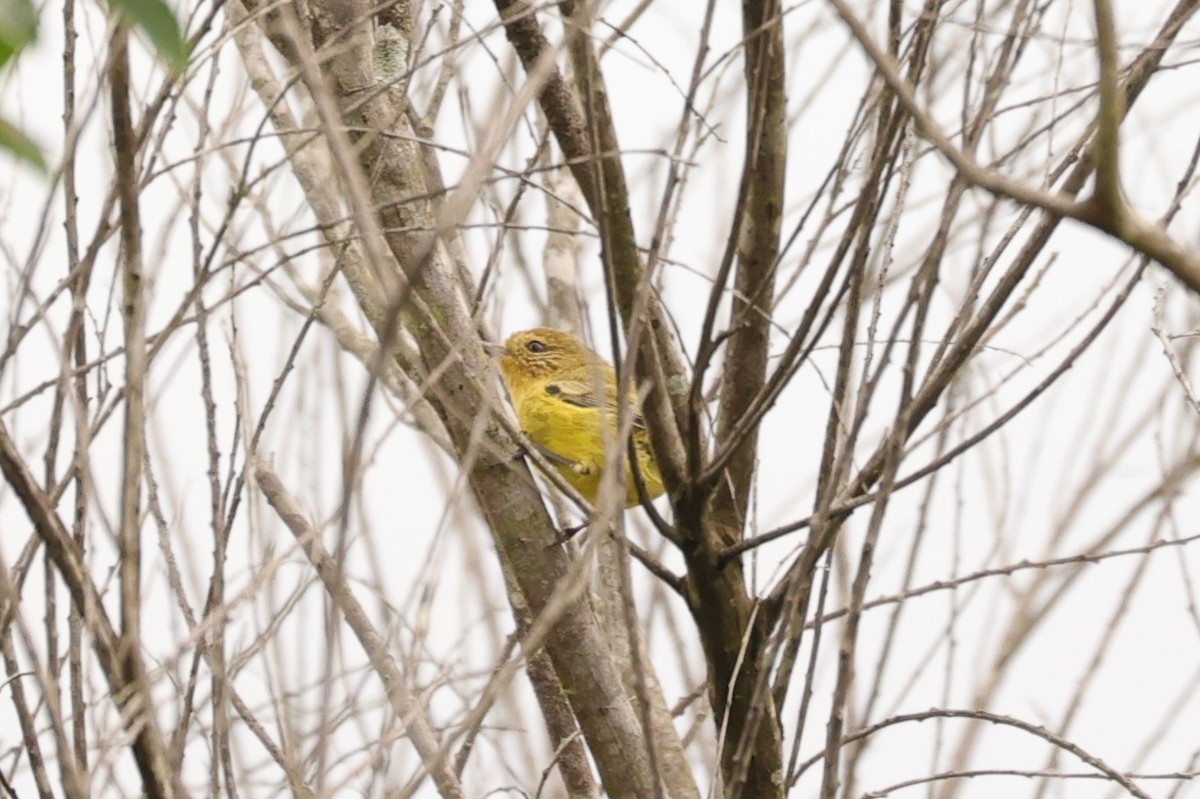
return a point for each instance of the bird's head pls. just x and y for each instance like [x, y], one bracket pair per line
[540, 352]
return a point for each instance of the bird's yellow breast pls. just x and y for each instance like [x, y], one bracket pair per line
[579, 435]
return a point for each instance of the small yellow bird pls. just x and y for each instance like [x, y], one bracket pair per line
[565, 396]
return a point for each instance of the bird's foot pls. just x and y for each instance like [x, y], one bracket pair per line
[564, 535]
[582, 469]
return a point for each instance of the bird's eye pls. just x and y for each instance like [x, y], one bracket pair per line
[536, 346]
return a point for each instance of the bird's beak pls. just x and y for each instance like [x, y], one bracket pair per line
[493, 349]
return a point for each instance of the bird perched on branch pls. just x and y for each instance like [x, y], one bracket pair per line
[565, 396]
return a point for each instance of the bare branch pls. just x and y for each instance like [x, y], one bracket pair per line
[1130, 227]
[404, 703]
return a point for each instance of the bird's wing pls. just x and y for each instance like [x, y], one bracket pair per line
[583, 395]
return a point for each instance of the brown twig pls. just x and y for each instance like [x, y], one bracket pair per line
[1126, 225]
[1105, 770]
[404, 703]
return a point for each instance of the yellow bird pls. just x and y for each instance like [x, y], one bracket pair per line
[565, 396]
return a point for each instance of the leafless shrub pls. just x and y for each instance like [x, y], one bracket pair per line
[911, 294]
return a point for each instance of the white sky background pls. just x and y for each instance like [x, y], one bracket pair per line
[424, 563]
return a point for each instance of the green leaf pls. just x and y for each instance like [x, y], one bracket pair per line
[18, 27]
[158, 21]
[21, 146]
